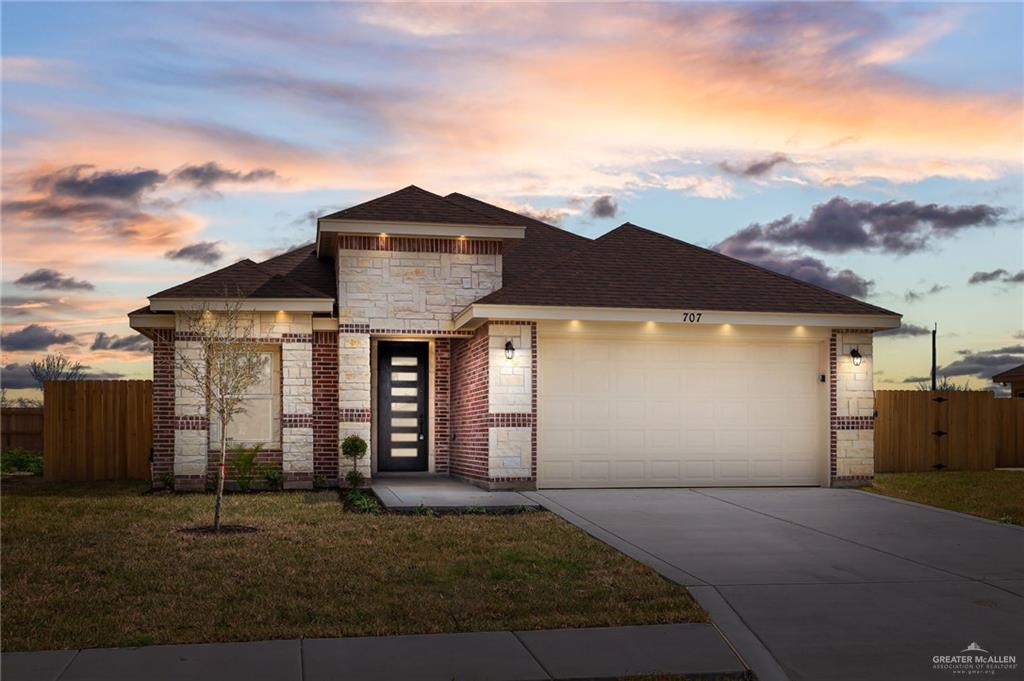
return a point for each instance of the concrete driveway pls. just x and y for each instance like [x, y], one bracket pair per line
[835, 584]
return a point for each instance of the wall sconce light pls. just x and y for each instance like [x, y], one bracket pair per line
[510, 350]
[855, 356]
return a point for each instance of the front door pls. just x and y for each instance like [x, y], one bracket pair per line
[402, 406]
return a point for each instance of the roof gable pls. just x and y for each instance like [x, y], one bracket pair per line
[413, 204]
[243, 279]
[635, 267]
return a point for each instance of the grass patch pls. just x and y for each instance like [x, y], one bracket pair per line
[996, 495]
[102, 564]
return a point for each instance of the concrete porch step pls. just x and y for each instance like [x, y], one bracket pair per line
[445, 495]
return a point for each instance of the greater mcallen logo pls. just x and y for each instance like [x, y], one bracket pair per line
[974, 661]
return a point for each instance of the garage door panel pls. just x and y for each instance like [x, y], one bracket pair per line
[591, 377]
[696, 413]
[594, 471]
[732, 470]
[731, 442]
[767, 440]
[699, 471]
[634, 441]
[731, 414]
[699, 440]
[661, 412]
[766, 470]
[560, 410]
[629, 379]
[666, 470]
[628, 412]
[592, 439]
[592, 411]
[663, 439]
[560, 439]
[628, 471]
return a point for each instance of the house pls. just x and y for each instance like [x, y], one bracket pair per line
[460, 338]
[1014, 378]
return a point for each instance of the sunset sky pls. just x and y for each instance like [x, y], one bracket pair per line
[875, 149]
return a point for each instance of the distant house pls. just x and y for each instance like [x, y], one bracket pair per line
[462, 339]
[1014, 378]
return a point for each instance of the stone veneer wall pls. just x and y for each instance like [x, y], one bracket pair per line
[192, 462]
[325, 405]
[386, 284]
[851, 409]
[354, 409]
[512, 404]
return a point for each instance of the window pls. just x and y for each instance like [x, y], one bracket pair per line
[261, 422]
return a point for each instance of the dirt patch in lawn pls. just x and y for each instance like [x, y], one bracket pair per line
[996, 495]
[104, 565]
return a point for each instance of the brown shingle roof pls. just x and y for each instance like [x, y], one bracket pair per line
[1014, 374]
[542, 246]
[413, 204]
[247, 279]
[301, 265]
[635, 267]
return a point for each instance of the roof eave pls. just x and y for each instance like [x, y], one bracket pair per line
[247, 304]
[477, 313]
[419, 229]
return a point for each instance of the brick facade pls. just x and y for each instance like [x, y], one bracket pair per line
[325, 405]
[470, 444]
[442, 403]
[419, 244]
[162, 459]
[494, 407]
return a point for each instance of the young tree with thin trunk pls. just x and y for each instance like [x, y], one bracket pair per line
[218, 363]
[55, 367]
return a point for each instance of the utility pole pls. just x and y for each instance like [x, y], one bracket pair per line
[935, 330]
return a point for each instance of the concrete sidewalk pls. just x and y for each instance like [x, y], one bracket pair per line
[599, 653]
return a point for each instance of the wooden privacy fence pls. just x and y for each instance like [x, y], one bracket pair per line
[915, 430]
[97, 430]
[21, 428]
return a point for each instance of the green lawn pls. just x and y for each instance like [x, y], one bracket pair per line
[103, 565]
[997, 495]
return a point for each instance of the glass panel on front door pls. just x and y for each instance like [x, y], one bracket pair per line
[402, 408]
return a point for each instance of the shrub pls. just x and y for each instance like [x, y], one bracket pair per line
[273, 477]
[359, 501]
[355, 478]
[244, 465]
[354, 448]
[21, 461]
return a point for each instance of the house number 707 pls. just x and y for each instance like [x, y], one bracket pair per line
[692, 316]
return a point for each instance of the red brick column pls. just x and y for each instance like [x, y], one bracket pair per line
[162, 458]
[325, 405]
[468, 456]
[442, 404]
